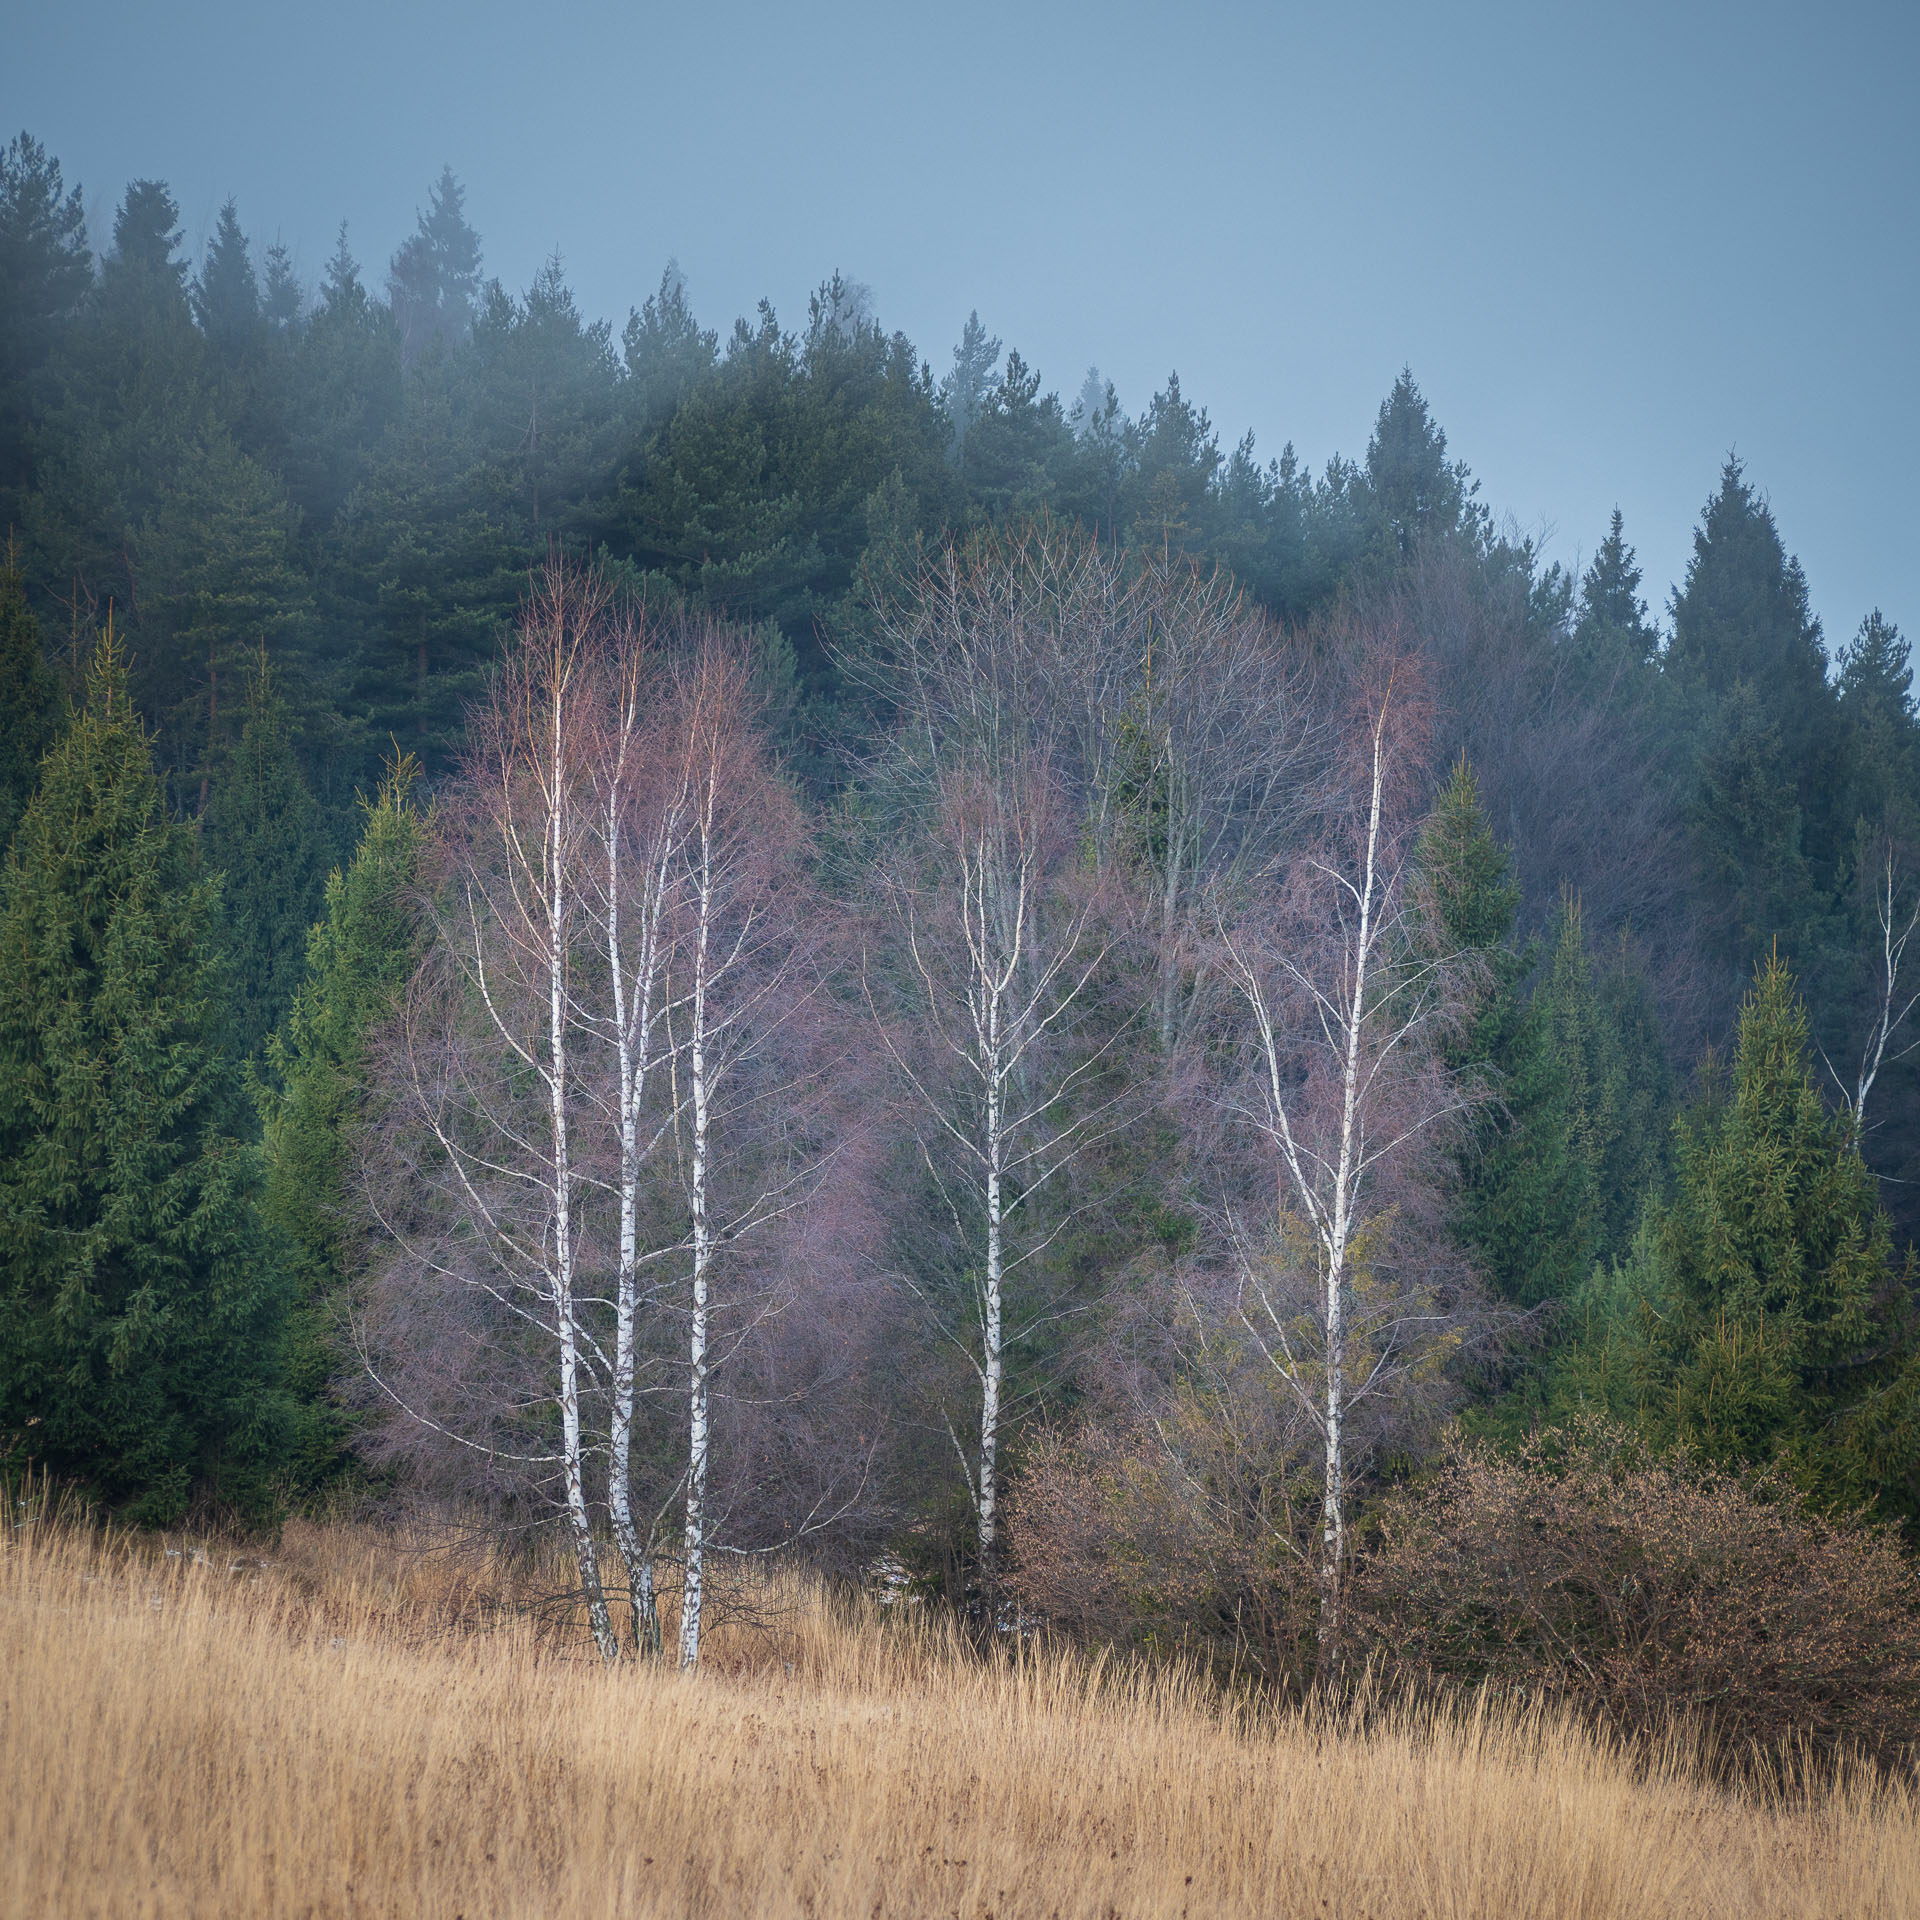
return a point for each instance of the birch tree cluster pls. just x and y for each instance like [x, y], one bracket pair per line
[709, 1131]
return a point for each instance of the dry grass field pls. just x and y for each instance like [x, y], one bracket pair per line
[352, 1729]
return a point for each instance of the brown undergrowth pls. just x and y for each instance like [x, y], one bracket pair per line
[354, 1725]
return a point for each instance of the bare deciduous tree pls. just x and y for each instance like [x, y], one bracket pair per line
[488, 1046]
[1340, 1089]
[991, 995]
[1896, 915]
[750, 927]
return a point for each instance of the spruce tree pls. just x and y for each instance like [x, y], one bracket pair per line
[1613, 620]
[435, 275]
[263, 834]
[138, 1317]
[1743, 620]
[1414, 493]
[1883, 739]
[1762, 1316]
[1557, 1162]
[359, 956]
[226, 297]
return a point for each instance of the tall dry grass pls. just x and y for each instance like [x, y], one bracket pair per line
[355, 1730]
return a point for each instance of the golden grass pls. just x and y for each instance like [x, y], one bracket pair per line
[351, 1730]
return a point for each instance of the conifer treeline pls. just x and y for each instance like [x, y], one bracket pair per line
[307, 515]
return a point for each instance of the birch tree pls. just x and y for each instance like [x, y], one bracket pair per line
[742, 990]
[492, 1082]
[991, 992]
[1340, 1088]
[641, 812]
[1892, 996]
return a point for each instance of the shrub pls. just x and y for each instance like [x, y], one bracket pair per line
[1639, 1588]
[1175, 1534]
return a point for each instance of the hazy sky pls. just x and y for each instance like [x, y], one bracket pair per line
[1612, 242]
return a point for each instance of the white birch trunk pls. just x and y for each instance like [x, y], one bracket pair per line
[1333, 1544]
[635, 1011]
[693, 1585]
[557, 913]
[992, 1330]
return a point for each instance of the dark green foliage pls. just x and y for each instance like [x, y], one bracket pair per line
[1749, 829]
[1471, 894]
[262, 833]
[219, 579]
[357, 958]
[282, 298]
[1414, 493]
[1761, 1316]
[1613, 627]
[964, 391]
[27, 697]
[1742, 621]
[1559, 1186]
[360, 485]
[1876, 705]
[45, 272]
[435, 275]
[1566, 1144]
[226, 297]
[343, 392]
[138, 1317]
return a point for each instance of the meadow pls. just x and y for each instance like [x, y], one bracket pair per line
[353, 1725]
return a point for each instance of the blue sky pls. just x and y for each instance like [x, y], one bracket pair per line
[1612, 242]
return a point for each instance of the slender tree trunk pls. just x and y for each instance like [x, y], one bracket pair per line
[563, 1252]
[992, 1360]
[645, 1625]
[1333, 1545]
[1169, 945]
[693, 1591]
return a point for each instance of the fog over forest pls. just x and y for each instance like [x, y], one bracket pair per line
[743, 933]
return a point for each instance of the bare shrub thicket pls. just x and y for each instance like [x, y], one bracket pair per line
[1593, 1574]
[1186, 1529]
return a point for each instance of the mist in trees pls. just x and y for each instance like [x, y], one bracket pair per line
[744, 939]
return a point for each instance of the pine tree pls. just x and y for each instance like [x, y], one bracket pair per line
[964, 391]
[435, 275]
[137, 1314]
[345, 390]
[1613, 618]
[146, 230]
[1876, 705]
[667, 353]
[1748, 827]
[1743, 619]
[1556, 1161]
[359, 956]
[226, 297]
[263, 834]
[45, 272]
[283, 301]
[27, 696]
[1414, 494]
[219, 578]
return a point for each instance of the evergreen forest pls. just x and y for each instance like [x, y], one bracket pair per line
[716, 937]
